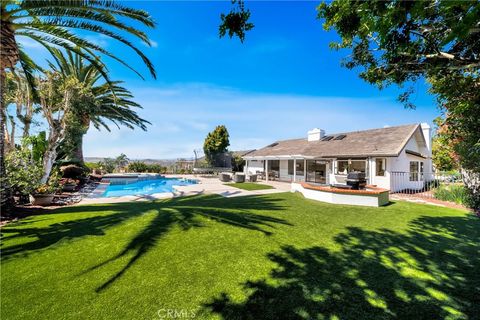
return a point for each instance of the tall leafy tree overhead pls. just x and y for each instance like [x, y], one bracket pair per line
[54, 23]
[401, 42]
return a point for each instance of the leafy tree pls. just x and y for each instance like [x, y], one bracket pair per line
[49, 23]
[121, 161]
[443, 155]
[108, 165]
[39, 145]
[137, 166]
[401, 42]
[215, 144]
[17, 92]
[236, 21]
[237, 163]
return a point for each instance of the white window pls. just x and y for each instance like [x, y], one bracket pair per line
[343, 167]
[416, 170]
[380, 167]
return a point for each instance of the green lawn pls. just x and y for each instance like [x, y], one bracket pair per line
[250, 186]
[276, 256]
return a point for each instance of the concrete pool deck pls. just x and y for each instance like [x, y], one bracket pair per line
[210, 185]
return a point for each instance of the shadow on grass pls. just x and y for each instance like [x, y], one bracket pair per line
[430, 272]
[185, 212]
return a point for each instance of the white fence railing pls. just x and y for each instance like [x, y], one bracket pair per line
[421, 184]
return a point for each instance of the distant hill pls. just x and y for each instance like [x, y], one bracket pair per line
[162, 162]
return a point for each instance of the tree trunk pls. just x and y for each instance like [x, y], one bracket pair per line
[78, 153]
[6, 198]
[27, 119]
[12, 134]
[48, 161]
[8, 58]
[54, 139]
[471, 179]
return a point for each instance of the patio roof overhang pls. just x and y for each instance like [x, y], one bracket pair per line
[279, 157]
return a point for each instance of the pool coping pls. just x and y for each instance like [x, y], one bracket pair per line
[96, 195]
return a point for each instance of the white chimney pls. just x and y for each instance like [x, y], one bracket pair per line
[427, 134]
[315, 134]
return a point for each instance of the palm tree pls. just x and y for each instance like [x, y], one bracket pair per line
[50, 23]
[110, 102]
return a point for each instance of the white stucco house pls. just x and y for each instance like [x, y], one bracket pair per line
[392, 158]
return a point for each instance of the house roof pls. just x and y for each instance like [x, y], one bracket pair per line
[242, 153]
[374, 142]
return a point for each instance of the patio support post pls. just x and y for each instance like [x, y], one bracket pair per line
[295, 170]
[305, 169]
[266, 170]
[246, 167]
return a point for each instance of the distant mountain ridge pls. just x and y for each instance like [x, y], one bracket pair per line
[163, 162]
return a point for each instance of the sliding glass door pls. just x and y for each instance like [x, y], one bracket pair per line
[317, 171]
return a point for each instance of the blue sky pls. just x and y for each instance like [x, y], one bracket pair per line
[281, 82]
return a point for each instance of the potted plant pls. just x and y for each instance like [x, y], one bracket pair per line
[68, 185]
[44, 193]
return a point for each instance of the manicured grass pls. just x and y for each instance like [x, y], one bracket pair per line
[250, 186]
[276, 256]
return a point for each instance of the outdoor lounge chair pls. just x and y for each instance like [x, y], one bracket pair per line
[252, 178]
[225, 177]
[239, 177]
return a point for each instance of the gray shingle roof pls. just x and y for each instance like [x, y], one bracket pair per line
[374, 142]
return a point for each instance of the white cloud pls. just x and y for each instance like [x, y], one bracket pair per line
[28, 43]
[100, 40]
[153, 44]
[182, 115]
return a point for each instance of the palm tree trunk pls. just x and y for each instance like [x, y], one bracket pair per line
[6, 198]
[78, 153]
[27, 119]
[9, 56]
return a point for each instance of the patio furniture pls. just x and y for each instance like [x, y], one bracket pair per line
[260, 175]
[272, 175]
[252, 178]
[225, 177]
[239, 177]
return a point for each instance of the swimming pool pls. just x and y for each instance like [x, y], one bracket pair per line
[145, 187]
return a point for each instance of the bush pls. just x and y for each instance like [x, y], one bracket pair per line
[452, 192]
[92, 166]
[137, 166]
[23, 173]
[73, 171]
[108, 165]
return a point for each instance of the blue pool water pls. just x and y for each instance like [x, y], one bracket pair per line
[146, 187]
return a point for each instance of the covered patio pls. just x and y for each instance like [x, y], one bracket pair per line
[289, 168]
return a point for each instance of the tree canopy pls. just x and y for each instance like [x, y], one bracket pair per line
[401, 42]
[216, 143]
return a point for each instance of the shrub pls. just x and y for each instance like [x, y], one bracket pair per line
[108, 165]
[137, 166]
[73, 171]
[92, 166]
[22, 172]
[452, 192]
